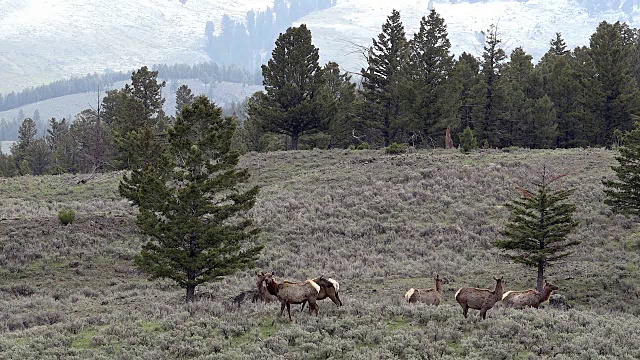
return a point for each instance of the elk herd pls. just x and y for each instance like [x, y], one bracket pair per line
[312, 290]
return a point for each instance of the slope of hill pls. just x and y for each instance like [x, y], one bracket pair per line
[379, 224]
[45, 40]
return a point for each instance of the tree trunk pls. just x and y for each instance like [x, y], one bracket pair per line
[191, 289]
[295, 136]
[540, 276]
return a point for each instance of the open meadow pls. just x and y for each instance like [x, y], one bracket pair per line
[378, 223]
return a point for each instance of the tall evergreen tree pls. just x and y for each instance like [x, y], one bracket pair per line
[292, 79]
[493, 60]
[468, 82]
[540, 221]
[184, 96]
[382, 77]
[560, 83]
[63, 146]
[92, 140]
[135, 119]
[610, 50]
[623, 193]
[340, 97]
[146, 89]
[190, 203]
[517, 81]
[433, 94]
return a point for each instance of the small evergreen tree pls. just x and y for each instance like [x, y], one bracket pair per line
[468, 140]
[191, 201]
[623, 193]
[536, 234]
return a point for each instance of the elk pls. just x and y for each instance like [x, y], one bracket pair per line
[528, 298]
[428, 296]
[328, 289]
[262, 293]
[480, 299]
[293, 293]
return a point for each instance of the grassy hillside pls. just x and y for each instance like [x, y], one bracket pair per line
[380, 224]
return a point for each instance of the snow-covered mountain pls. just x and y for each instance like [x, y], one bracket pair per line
[46, 40]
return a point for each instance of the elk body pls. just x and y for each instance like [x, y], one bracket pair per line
[528, 298]
[293, 293]
[431, 296]
[328, 289]
[480, 299]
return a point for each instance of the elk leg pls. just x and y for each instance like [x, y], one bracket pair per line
[289, 311]
[465, 310]
[281, 308]
[338, 298]
[335, 300]
[302, 308]
[483, 314]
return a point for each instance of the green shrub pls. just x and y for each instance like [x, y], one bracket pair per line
[396, 148]
[468, 140]
[66, 216]
[363, 146]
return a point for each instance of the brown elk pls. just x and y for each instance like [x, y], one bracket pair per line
[293, 293]
[528, 298]
[262, 294]
[480, 299]
[328, 289]
[428, 296]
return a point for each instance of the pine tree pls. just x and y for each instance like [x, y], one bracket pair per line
[610, 52]
[468, 140]
[540, 221]
[558, 46]
[623, 193]
[136, 120]
[21, 150]
[468, 83]
[541, 124]
[292, 79]
[517, 75]
[340, 96]
[382, 78]
[493, 58]
[146, 89]
[433, 96]
[184, 96]
[63, 146]
[561, 85]
[191, 203]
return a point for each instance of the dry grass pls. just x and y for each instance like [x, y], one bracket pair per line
[378, 223]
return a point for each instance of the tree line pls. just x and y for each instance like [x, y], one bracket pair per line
[413, 90]
[243, 42]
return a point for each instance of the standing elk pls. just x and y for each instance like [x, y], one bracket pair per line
[528, 298]
[428, 296]
[480, 299]
[328, 289]
[262, 294]
[293, 293]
